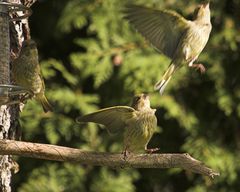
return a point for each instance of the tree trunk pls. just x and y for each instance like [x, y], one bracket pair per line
[10, 39]
[5, 162]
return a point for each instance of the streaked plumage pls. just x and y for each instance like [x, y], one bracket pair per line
[180, 39]
[138, 122]
[26, 73]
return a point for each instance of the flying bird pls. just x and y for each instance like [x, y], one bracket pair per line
[137, 123]
[26, 73]
[179, 39]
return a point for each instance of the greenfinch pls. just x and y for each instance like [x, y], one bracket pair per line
[179, 39]
[137, 123]
[26, 73]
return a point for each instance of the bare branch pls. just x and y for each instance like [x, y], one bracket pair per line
[58, 153]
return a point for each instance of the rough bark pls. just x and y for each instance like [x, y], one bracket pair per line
[58, 153]
[5, 163]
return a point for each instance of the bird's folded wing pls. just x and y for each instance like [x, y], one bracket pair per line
[42, 81]
[162, 28]
[114, 118]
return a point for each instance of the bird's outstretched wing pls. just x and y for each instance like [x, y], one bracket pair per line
[114, 118]
[162, 28]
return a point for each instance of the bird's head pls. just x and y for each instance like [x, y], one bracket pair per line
[29, 43]
[29, 47]
[141, 102]
[202, 12]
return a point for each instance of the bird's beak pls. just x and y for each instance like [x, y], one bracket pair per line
[206, 4]
[145, 96]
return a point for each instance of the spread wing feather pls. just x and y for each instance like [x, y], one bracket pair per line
[163, 29]
[114, 118]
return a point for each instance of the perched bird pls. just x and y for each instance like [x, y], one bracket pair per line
[26, 73]
[179, 39]
[137, 123]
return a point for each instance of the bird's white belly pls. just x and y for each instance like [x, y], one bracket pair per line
[194, 45]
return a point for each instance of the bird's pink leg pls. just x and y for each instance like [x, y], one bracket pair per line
[199, 67]
[25, 97]
[125, 153]
[150, 151]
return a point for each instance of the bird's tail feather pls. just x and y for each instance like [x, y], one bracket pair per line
[45, 104]
[160, 85]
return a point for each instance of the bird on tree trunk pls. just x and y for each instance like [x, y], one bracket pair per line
[26, 72]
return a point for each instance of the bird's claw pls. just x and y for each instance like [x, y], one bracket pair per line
[24, 98]
[125, 154]
[150, 151]
[199, 67]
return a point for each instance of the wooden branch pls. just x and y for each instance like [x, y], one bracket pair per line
[116, 160]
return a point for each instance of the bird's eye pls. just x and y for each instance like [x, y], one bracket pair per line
[137, 99]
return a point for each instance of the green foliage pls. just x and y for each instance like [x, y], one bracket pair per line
[122, 181]
[68, 177]
[55, 178]
[92, 58]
